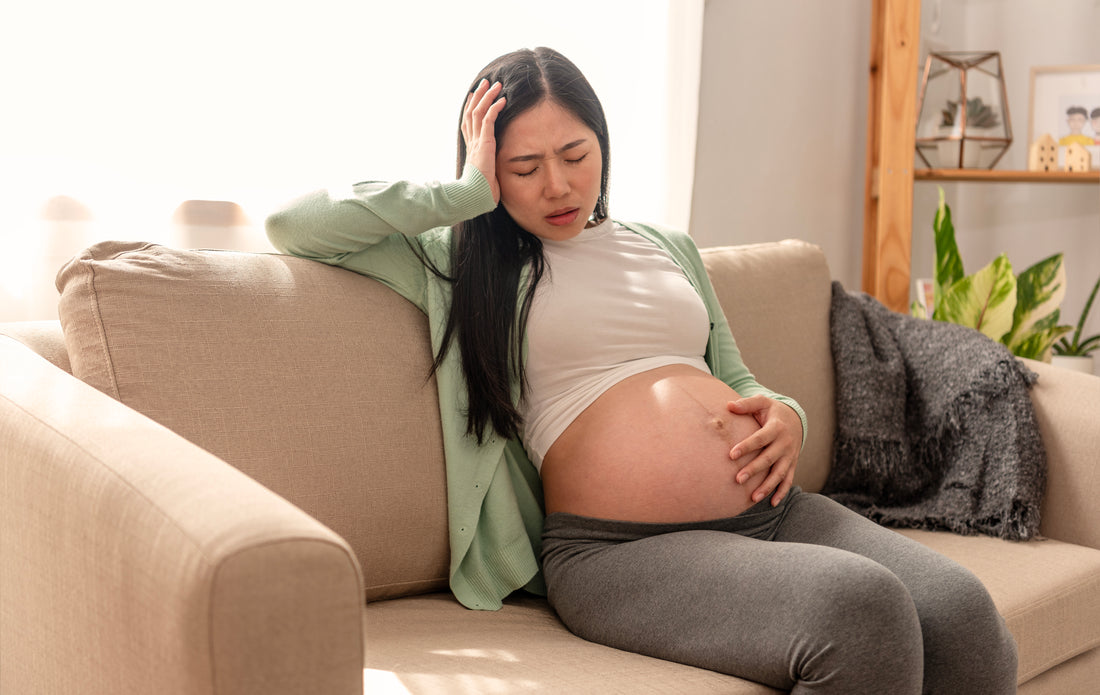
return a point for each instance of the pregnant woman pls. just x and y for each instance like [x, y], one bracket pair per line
[604, 440]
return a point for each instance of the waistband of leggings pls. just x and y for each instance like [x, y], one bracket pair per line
[566, 525]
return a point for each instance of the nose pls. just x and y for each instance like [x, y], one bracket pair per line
[557, 180]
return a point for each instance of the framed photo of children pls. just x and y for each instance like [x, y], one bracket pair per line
[1065, 103]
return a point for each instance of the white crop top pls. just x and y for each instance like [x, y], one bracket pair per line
[612, 304]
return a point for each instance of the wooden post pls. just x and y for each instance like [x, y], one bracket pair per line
[891, 139]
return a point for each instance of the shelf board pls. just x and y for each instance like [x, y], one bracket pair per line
[1006, 176]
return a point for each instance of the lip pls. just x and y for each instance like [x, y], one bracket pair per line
[562, 217]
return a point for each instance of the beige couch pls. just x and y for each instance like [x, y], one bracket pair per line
[243, 491]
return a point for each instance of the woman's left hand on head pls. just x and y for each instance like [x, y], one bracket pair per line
[777, 444]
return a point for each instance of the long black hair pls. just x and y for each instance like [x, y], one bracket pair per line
[490, 252]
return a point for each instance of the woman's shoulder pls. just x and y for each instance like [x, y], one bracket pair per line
[668, 233]
[665, 236]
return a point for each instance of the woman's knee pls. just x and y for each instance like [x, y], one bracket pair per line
[870, 629]
[967, 644]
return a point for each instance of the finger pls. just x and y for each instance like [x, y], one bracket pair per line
[743, 406]
[484, 99]
[783, 489]
[472, 100]
[474, 97]
[764, 461]
[491, 118]
[466, 125]
[756, 441]
[467, 114]
[771, 483]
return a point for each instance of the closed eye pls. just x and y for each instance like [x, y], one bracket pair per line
[578, 160]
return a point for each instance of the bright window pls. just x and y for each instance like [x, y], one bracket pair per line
[116, 112]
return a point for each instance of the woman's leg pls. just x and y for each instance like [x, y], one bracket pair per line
[967, 648]
[798, 617]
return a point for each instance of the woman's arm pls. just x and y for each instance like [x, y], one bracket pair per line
[329, 225]
[371, 228]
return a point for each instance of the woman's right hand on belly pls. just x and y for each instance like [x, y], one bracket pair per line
[773, 448]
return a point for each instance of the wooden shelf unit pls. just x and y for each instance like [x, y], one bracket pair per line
[891, 147]
[1004, 176]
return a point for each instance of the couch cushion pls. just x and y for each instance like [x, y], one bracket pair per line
[431, 644]
[1048, 591]
[310, 379]
[776, 299]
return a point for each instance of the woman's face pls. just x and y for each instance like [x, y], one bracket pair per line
[549, 166]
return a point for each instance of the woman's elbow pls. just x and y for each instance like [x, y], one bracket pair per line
[277, 225]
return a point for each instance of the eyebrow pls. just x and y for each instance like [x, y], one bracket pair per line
[563, 148]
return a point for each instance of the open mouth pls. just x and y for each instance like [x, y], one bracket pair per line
[559, 218]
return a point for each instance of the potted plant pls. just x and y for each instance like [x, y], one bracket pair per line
[1022, 312]
[980, 117]
[1074, 352]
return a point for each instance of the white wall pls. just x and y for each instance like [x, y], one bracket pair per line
[782, 113]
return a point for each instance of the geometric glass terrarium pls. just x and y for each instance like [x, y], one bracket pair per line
[962, 112]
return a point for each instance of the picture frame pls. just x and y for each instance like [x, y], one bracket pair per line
[1054, 90]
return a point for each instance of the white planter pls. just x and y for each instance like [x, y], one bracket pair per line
[1077, 364]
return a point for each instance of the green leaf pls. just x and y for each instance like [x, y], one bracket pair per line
[1039, 292]
[949, 265]
[1081, 322]
[1038, 343]
[1089, 345]
[916, 309]
[984, 300]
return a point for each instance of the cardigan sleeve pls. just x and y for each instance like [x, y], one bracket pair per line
[374, 227]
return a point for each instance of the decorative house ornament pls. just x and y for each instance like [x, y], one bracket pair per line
[1077, 158]
[1043, 154]
[962, 112]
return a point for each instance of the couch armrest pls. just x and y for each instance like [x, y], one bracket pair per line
[44, 337]
[131, 561]
[1067, 405]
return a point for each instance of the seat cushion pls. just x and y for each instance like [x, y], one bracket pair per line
[1048, 591]
[431, 644]
[311, 379]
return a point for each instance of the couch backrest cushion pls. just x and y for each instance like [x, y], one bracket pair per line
[310, 379]
[776, 298]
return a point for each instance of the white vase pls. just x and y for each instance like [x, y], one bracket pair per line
[1077, 364]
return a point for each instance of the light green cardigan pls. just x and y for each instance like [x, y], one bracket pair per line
[494, 492]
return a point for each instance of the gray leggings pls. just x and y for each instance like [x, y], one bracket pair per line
[807, 596]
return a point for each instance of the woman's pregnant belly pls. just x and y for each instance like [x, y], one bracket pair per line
[653, 448]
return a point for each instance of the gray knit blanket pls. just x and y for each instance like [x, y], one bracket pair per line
[935, 427]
